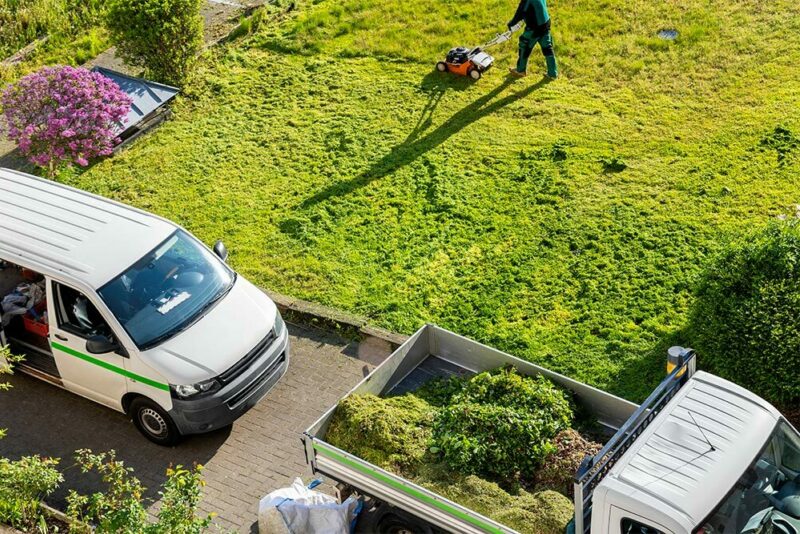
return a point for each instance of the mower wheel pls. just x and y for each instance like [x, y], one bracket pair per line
[475, 74]
[441, 66]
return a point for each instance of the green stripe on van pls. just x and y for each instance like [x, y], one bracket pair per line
[106, 365]
[326, 451]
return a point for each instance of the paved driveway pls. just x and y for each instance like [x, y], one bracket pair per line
[259, 453]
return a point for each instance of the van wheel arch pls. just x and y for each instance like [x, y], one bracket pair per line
[128, 399]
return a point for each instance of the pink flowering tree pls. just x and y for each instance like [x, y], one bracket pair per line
[60, 116]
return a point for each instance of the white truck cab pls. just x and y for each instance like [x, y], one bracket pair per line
[701, 456]
[130, 310]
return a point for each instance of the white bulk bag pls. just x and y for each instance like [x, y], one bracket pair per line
[299, 510]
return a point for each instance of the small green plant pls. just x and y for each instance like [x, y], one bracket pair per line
[121, 508]
[746, 321]
[179, 500]
[162, 36]
[7, 361]
[23, 483]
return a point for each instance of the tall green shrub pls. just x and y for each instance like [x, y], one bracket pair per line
[746, 318]
[162, 36]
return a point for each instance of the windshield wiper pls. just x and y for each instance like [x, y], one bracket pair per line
[221, 293]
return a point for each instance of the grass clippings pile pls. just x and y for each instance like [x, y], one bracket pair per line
[391, 433]
[499, 443]
[534, 512]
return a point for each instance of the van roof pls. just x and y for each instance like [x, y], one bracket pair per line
[51, 227]
[673, 462]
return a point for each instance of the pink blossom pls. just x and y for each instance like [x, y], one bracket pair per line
[64, 115]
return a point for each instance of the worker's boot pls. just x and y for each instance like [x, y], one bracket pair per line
[552, 67]
[517, 74]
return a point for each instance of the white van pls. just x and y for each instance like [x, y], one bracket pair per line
[130, 310]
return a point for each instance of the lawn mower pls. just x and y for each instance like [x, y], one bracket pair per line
[473, 62]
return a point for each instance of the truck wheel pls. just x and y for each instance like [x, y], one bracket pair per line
[441, 66]
[154, 422]
[395, 524]
[475, 74]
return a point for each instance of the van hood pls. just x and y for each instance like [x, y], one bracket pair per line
[219, 339]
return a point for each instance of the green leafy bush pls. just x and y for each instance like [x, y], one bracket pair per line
[501, 424]
[23, 483]
[121, 507]
[392, 433]
[163, 36]
[745, 322]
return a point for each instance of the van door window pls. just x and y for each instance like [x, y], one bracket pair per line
[76, 314]
[629, 526]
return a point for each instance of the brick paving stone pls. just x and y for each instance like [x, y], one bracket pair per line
[259, 453]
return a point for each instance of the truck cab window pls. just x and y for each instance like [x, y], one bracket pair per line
[629, 526]
[766, 498]
[790, 457]
[76, 314]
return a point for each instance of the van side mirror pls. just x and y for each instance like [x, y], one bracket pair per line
[101, 345]
[221, 250]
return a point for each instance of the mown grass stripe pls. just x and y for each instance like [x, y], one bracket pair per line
[325, 451]
[106, 365]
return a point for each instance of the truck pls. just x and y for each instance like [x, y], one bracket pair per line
[700, 455]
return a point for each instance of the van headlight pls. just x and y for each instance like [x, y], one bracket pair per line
[190, 390]
[279, 324]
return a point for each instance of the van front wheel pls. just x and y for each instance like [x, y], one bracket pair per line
[154, 422]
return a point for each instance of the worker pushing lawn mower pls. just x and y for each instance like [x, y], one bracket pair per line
[537, 30]
[473, 62]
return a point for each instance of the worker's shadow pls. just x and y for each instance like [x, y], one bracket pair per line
[417, 144]
[435, 85]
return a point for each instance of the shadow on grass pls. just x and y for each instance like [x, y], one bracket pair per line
[417, 144]
[638, 377]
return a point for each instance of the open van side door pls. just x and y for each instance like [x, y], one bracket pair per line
[73, 319]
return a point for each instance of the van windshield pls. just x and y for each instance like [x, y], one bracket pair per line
[164, 292]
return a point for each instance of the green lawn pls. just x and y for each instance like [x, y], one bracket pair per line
[340, 169]
[70, 31]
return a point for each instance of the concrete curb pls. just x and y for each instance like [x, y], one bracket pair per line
[326, 318]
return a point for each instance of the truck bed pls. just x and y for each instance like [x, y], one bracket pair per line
[430, 368]
[434, 352]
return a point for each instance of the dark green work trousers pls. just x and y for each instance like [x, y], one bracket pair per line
[526, 44]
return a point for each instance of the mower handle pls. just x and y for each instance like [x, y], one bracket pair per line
[503, 37]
